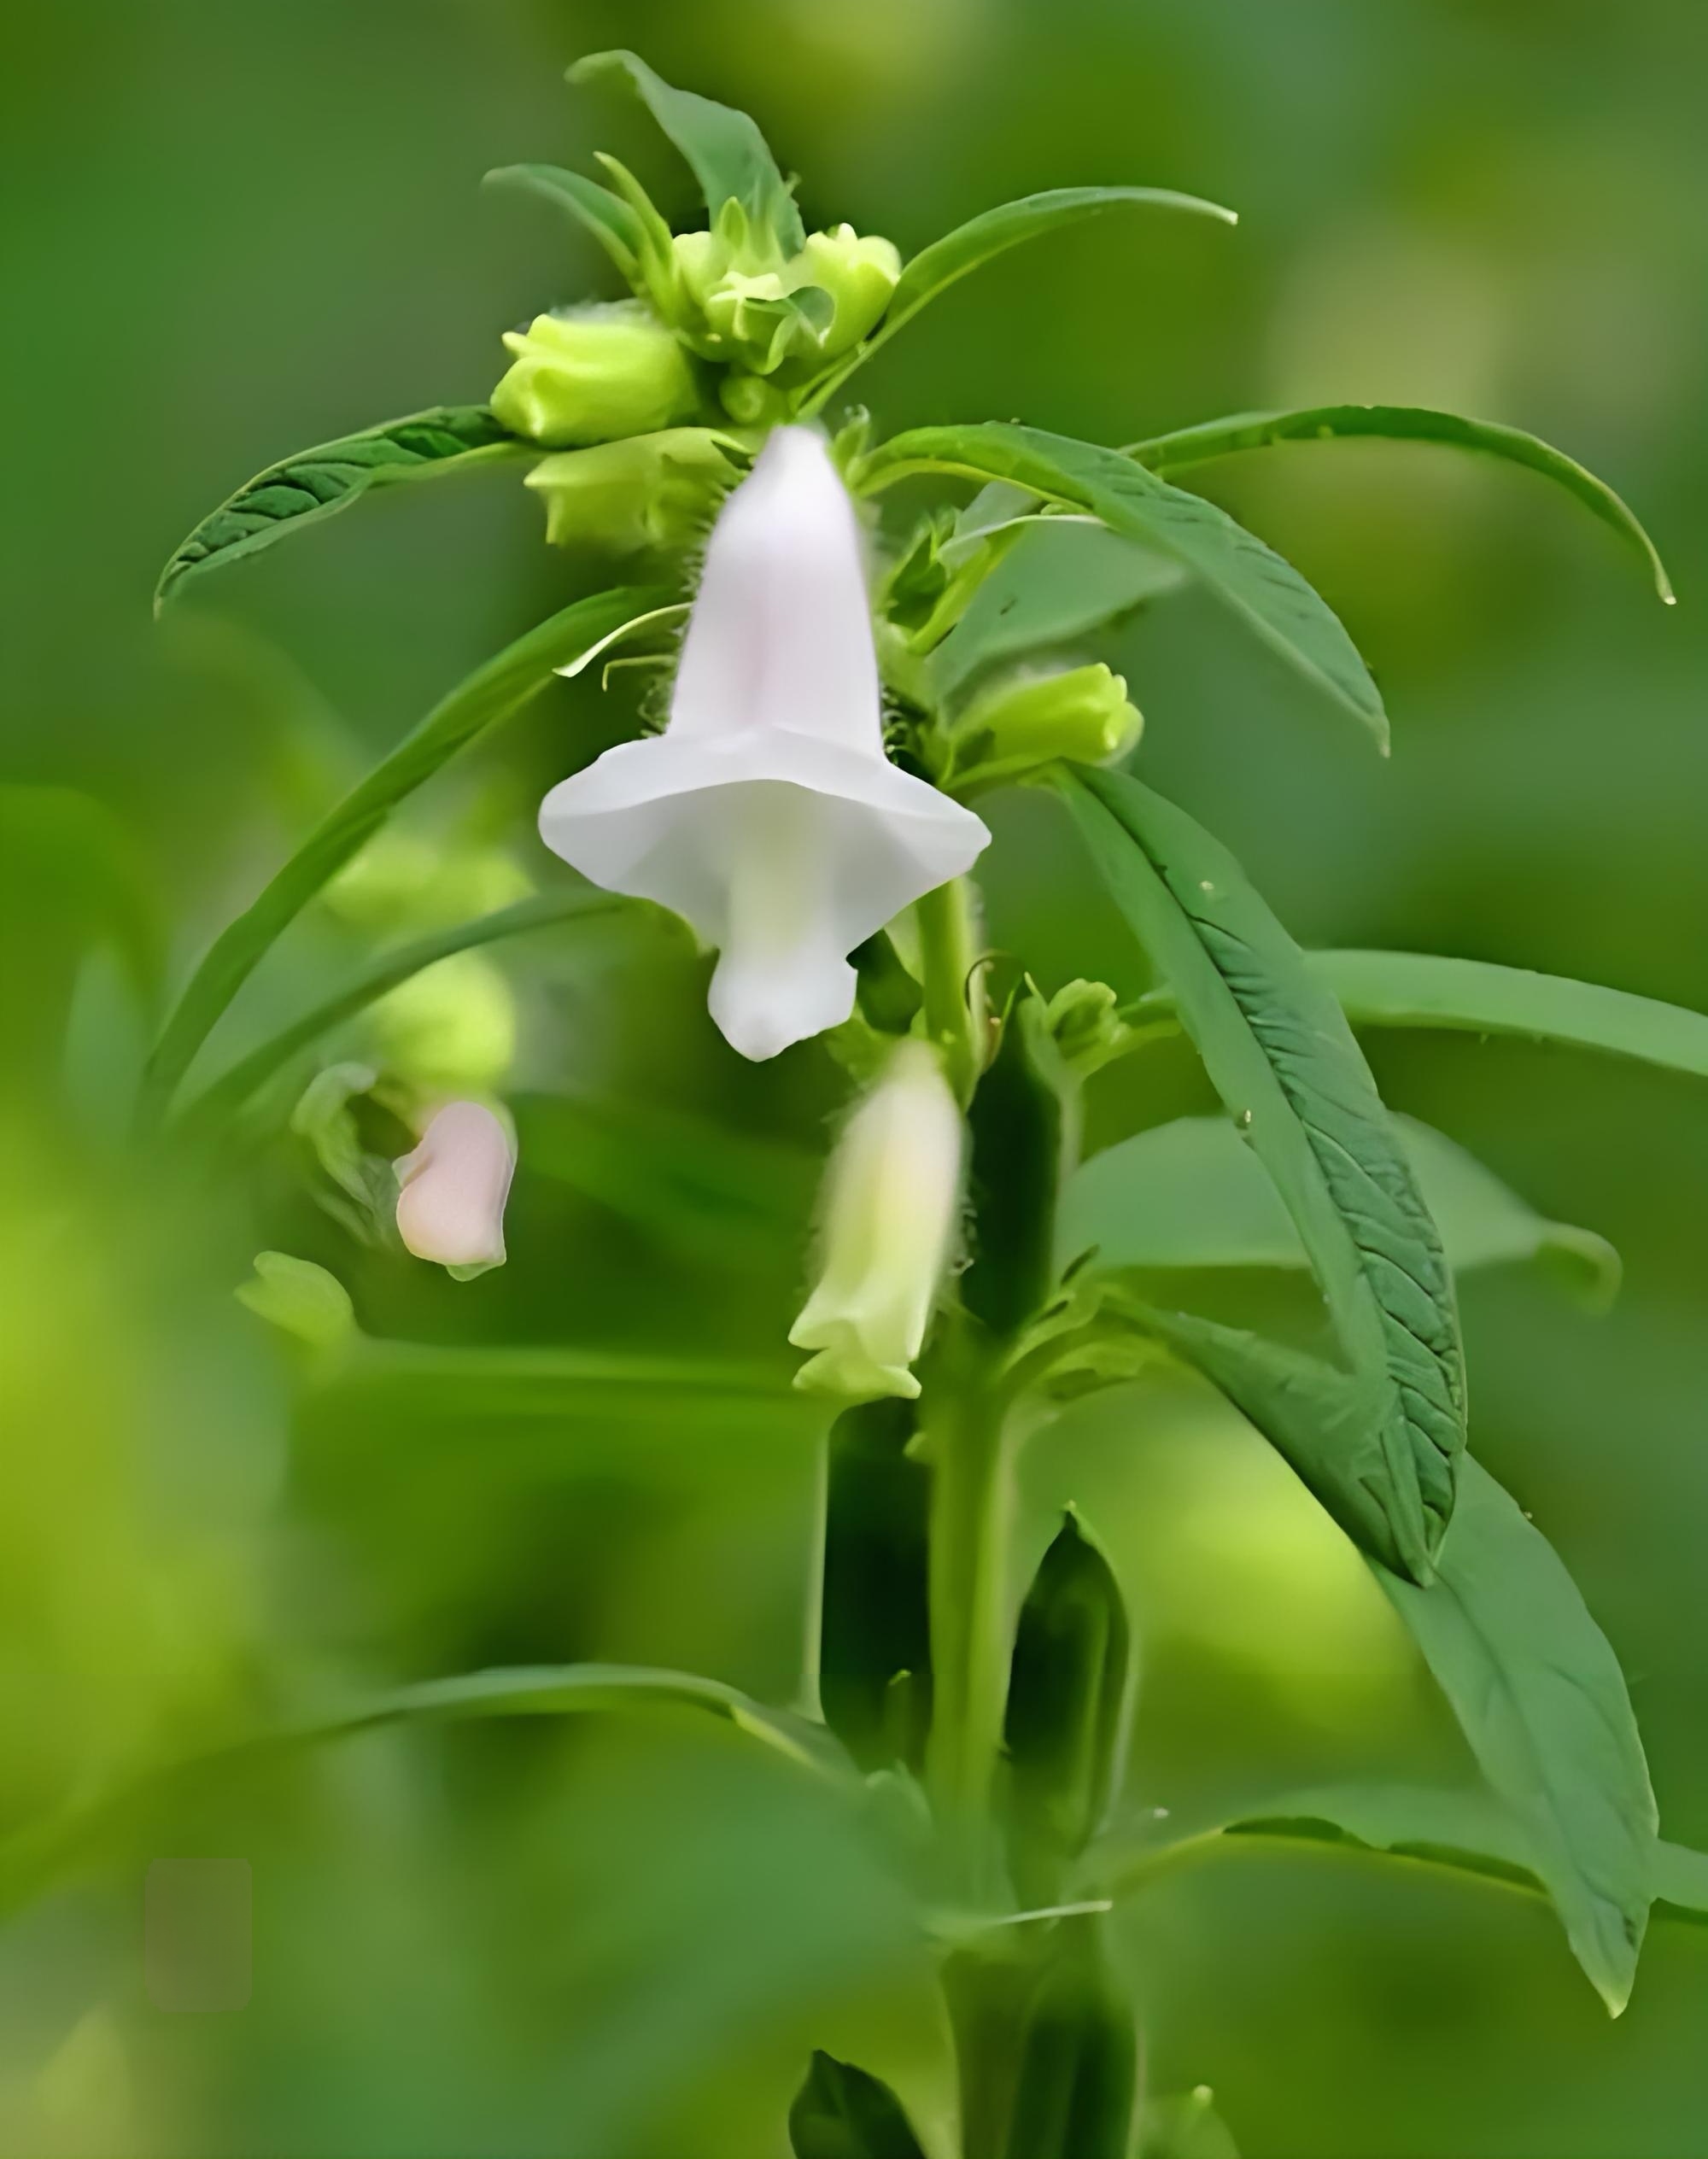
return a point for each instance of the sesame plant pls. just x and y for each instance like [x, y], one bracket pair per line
[839, 690]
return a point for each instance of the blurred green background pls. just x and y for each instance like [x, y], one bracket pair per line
[233, 230]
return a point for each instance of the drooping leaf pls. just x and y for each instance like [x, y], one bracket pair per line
[1061, 580]
[229, 1092]
[1190, 446]
[991, 233]
[841, 2112]
[315, 485]
[1541, 1698]
[1267, 592]
[610, 221]
[491, 694]
[727, 153]
[1281, 1056]
[1192, 1194]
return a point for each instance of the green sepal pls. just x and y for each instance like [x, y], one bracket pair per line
[843, 2113]
[874, 1651]
[1077, 2073]
[1068, 1710]
[1024, 1120]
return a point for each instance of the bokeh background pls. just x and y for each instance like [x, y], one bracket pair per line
[233, 231]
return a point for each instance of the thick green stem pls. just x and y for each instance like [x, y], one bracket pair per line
[949, 951]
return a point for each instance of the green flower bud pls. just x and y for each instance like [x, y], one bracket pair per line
[593, 375]
[1083, 714]
[1087, 1028]
[858, 273]
[651, 491]
[751, 401]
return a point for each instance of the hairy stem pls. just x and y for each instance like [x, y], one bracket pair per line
[949, 951]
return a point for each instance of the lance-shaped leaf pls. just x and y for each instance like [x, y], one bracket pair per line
[994, 232]
[841, 2112]
[1190, 1194]
[315, 485]
[1267, 592]
[491, 694]
[1540, 1696]
[612, 222]
[1190, 446]
[1280, 1054]
[727, 153]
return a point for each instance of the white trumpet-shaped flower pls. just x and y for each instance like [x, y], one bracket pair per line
[452, 1188]
[892, 1211]
[767, 813]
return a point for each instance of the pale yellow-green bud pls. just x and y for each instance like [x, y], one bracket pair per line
[1083, 714]
[593, 375]
[858, 273]
[451, 1029]
[651, 491]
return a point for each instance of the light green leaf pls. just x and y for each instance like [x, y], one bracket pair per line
[228, 1093]
[1282, 1057]
[1267, 592]
[301, 490]
[1190, 446]
[1425, 990]
[1192, 1194]
[991, 233]
[607, 217]
[1059, 580]
[491, 694]
[1541, 1698]
[300, 1298]
[727, 153]
[1681, 1883]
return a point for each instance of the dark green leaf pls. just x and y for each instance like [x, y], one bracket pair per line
[228, 1093]
[1541, 1700]
[491, 694]
[1281, 1056]
[1268, 594]
[1060, 579]
[607, 217]
[874, 1650]
[843, 2113]
[727, 153]
[300, 491]
[1189, 446]
[1192, 1194]
[1069, 1709]
[992, 232]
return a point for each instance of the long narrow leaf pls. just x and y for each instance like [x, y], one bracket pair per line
[1267, 592]
[1541, 1698]
[606, 216]
[229, 1092]
[994, 232]
[728, 155]
[491, 694]
[1282, 1057]
[1190, 446]
[315, 485]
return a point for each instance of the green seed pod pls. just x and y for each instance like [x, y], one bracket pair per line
[843, 2113]
[657, 490]
[593, 375]
[1078, 2072]
[1023, 1121]
[875, 1656]
[1069, 1709]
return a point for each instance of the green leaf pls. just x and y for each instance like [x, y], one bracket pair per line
[994, 232]
[228, 1093]
[610, 221]
[1681, 1883]
[1190, 446]
[315, 485]
[1184, 2125]
[1424, 990]
[727, 153]
[1190, 1194]
[1060, 579]
[1541, 1698]
[1267, 592]
[843, 2113]
[491, 694]
[1281, 1056]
